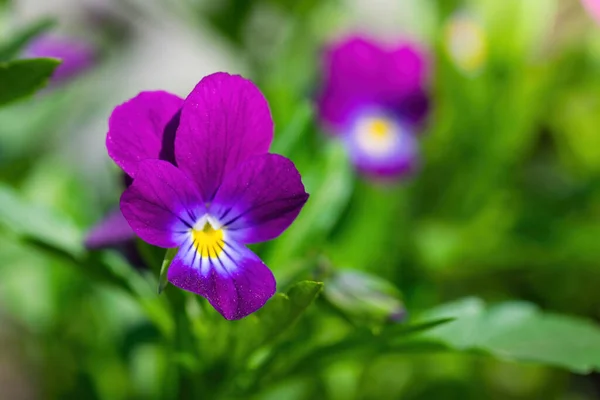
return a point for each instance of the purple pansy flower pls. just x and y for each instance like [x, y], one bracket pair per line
[76, 55]
[216, 190]
[374, 99]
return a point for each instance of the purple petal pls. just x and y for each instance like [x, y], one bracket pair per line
[111, 231]
[392, 154]
[236, 283]
[224, 121]
[143, 128]
[76, 55]
[162, 204]
[362, 73]
[260, 199]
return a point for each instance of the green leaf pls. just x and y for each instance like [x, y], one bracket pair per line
[14, 45]
[39, 223]
[21, 78]
[283, 310]
[363, 341]
[162, 278]
[285, 142]
[519, 331]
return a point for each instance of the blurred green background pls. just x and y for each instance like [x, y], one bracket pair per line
[505, 211]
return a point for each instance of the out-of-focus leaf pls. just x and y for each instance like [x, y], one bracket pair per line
[39, 223]
[364, 341]
[278, 315]
[162, 278]
[283, 310]
[519, 331]
[11, 48]
[286, 140]
[21, 78]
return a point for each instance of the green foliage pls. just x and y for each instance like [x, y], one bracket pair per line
[519, 331]
[283, 310]
[504, 207]
[164, 268]
[11, 47]
[22, 78]
[39, 223]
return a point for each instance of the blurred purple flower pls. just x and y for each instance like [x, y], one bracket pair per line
[210, 191]
[593, 8]
[374, 99]
[76, 55]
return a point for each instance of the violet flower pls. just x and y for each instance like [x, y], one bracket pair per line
[76, 55]
[593, 8]
[374, 99]
[212, 193]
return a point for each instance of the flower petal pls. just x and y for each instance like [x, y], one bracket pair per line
[260, 199]
[111, 231]
[360, 73]
[162, 204]
[236, 283]
[224, 121]
[143, 128]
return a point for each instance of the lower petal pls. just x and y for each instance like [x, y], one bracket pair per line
[235, 282]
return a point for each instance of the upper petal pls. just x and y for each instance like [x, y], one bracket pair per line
[143, 128]
[162, 204]
[224, 121]
[112, 230]
[236, 283]
[259, 199]
[361, 73]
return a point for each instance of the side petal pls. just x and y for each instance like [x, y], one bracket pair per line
[111, 231]
[162, 204]
[236, 283]
[224, 121]
[143, 128]
[260, 199]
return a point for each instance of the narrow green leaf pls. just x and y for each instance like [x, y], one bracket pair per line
[364, 342]
[11, 48]
[162, 278]
[285, 142]
[519, 331]
[22, 78]
[44, 225]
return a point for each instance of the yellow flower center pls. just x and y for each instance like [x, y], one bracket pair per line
[379, 129]
[208, 241]
[376, 135]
